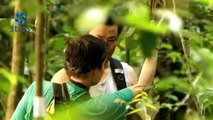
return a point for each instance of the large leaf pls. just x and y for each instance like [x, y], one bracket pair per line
[178, 84]
[8, 78]
[148, 42]
[6, 27]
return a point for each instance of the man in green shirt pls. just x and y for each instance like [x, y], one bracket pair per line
[84, 58]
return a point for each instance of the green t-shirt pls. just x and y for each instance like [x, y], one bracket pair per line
[104, 107]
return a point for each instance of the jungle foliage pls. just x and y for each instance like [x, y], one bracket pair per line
[181, 29]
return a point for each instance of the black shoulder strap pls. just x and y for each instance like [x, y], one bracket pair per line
[58, 90]
[118, 73]
[62, 101]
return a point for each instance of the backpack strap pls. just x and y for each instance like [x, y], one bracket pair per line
[58, 90]
[66, 93]
[58, 98]
[118, 73]
[62, 100]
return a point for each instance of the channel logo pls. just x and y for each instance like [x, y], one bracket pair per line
[20, 19]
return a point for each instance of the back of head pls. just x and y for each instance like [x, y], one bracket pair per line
[85, 54]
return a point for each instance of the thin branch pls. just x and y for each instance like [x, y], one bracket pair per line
[188, 66]
[186, 56]
[3, 105]
[174, 6]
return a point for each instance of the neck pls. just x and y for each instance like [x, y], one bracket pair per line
[106, 63]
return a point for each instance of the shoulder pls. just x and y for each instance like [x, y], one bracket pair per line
[126, 66]
[129, 73]
[47, 84]
[23, 109]
[60, 76]
[128, 70]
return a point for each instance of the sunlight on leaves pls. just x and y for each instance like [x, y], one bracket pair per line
[93, 16]
[174, 21]
[139, 17]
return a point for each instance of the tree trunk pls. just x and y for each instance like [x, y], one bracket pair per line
[39, 39]
[38, 50]
[16, 68]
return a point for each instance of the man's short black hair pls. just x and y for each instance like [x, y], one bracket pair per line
[111, 21]
[84, 54]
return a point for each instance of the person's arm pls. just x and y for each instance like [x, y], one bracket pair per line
[60, 77]
[108, 106]
[21, 109]
[147, 74]
[112, 106]
[148, 70]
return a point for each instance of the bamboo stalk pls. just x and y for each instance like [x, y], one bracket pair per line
[39, 107]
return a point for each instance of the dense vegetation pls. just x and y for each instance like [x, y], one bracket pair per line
[181, 29]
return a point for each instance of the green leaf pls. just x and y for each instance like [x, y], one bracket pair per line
[148, 42]
[178, 84]
[163, 85]
[138, 96]
[135, 100]
[173, 97]
[204, 97]
[6, 27]
[151, 106]
[135, 111]
[5, 84]
[208, 101]
[166, 105]
[174, 56]
[12, 78]
[166, 46]
[133, 42]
